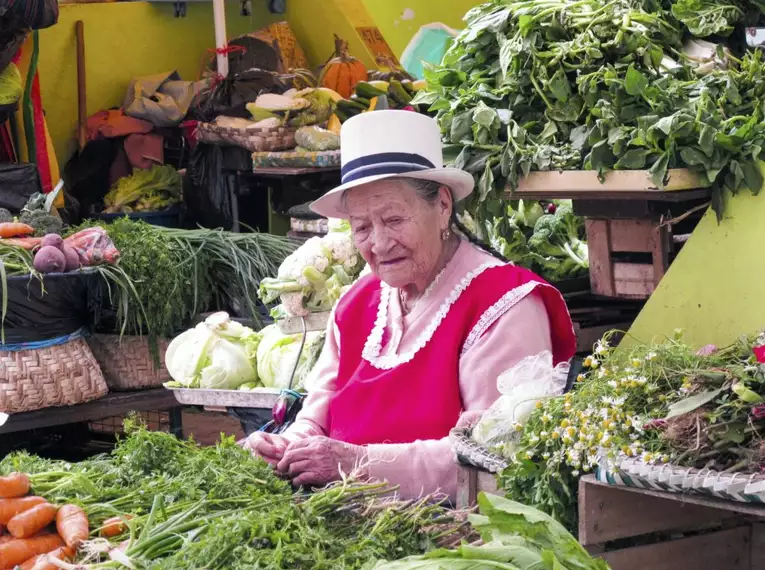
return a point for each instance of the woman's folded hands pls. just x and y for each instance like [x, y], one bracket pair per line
[312, 461]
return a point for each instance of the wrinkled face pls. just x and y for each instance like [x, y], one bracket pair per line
[397, 232]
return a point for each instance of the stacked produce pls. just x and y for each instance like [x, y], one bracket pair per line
[663, 403]
[223, 354]
[378, 95]
[155, 189]
[158, 502]
[546, 238]
[561, 85]
[314, 277]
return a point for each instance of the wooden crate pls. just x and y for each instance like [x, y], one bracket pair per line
[625, 216]
[470, 482]
[636, 529]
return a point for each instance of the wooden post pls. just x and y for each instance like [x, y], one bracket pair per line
[82, 107]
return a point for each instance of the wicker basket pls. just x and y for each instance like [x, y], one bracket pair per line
[471, 453]
[61, 375]
[127, 362]
[254, 140]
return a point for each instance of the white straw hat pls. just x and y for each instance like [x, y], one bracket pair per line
[391, 144]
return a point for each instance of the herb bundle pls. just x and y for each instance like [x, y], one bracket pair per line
[563, 85]
[166, 277]
[662, 403]
[215, 507]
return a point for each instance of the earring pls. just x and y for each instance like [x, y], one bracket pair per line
[445, 235]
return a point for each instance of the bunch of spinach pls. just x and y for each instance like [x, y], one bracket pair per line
[710, 17]
[569, 85]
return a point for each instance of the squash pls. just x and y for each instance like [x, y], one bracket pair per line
[334, 124]
[342, 72]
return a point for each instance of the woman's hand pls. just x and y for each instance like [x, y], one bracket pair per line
[267, 446]
[317, 461]
[469, 419]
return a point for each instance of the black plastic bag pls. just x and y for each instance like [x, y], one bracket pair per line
[209, 189]
[57, 307]
[229, 96]
[17, 184]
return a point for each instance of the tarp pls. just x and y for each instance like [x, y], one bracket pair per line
[429, 45]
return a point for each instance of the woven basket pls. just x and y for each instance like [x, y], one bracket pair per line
[61, 375]
[471, 453]
[254, 140]
[127, 362]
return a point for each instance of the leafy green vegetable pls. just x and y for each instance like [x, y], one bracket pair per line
[216, 354]
[157, 188]
[279, 354]
[561, 85]
[516, 537]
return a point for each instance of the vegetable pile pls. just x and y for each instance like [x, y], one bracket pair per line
[222, 354]
[157, 188]
[558, 85]
[662, 403]
[314, 277]
[549, 239]
[157, 502]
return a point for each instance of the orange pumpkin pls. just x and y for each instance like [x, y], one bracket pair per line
[343, 71]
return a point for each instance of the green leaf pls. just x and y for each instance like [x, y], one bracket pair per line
[693, 157]
[665, 124]
[752, 177]
[633, 159]
[635, 82]
[559, 86]
[693, 403]
[484, 115]
[461, 126]
[659, 170]
[600, 158]
[486, 183]
[549, 131]
[707, 139]
[579, 137]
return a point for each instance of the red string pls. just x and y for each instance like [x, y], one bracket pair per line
[225, 50]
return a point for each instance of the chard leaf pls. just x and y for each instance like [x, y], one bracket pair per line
[635, 82]
[693, 403]
[633, 159]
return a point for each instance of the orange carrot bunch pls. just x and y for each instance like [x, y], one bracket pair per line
[31, 542]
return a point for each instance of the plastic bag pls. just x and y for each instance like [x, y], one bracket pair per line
[532, 379]
[94, 246]
[209, 189]
[56, 307]
[17, 184]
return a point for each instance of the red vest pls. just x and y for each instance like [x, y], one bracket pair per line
[420, 399]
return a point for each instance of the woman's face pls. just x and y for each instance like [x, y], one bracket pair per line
[397, 232]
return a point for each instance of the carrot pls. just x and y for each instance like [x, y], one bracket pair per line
[19, 550]
[13, 229]
[31, 522]
[9, 508]
[114, 526]
[43, 561]
[28, 243]
[72, 525]
[14, 485]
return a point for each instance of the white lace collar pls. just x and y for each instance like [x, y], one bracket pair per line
[373, 346]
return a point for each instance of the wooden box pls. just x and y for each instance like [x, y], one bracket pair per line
[631, 223]
[470, 482]
[637, 529]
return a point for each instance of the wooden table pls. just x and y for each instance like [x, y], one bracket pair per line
[637, 529]
[113, 404]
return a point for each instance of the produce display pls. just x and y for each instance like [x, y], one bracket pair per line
[155, 189]
[158, 502]
[546, 238]
[315, 275]
[664, 403]
[559, 85]
[378, 95]
[167, 276]
[294, 109]
[222, 354]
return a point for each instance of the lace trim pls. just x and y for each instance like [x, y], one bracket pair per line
[493, 313]
[373, 345]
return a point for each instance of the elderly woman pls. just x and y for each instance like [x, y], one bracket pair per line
[422, 338]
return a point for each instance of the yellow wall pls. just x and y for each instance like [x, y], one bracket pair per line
[122, 41]
[388, 16]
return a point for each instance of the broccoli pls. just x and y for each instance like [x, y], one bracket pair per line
[43, 222]
[5, 216]
[558, 238]
[506, 237]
